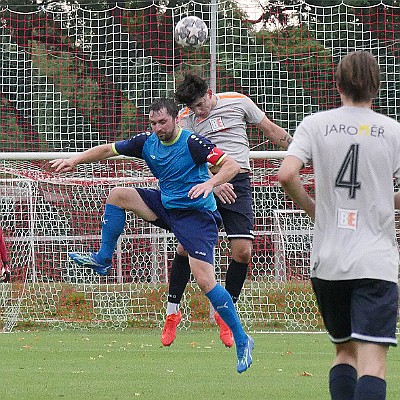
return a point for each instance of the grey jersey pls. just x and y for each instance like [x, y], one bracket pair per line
[226, 124]
[355, 153]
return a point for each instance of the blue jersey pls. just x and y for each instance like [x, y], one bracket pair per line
[178, 165]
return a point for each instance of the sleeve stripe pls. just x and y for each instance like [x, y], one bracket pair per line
[114, 149]
[232, 96]
[183, 113]
[220, 159]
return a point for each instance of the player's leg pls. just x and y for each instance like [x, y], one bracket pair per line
[120, 200]
[179, 277]
[343, 374]
[334, 303]
[238, 220]
[222, 302]
[197, 231]
[374, 322]
[371, 358]
[234, 281]
[241, 249]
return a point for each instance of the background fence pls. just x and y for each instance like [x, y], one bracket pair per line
[76, 76]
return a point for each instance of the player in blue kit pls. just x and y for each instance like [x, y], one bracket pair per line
[355, 153]
[184, 204]
[222, 118]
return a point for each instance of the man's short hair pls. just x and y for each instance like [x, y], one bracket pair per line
[192, 88]
[163, 103]
[358, 76]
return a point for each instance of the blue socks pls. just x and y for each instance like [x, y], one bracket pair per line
[342, 382]
[111, 228]
[223, 304]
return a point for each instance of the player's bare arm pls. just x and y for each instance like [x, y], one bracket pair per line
[229, 168]
[96, 153]
[275, 133]
[397, 200]
[289, 178]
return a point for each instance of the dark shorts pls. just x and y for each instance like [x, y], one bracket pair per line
[196, 230]
[359, 309]
[238, 218]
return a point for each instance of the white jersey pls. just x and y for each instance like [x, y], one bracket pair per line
[226, 124]
[355, 153]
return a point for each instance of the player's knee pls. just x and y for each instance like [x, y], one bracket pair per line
[123, 197]
[181, 251]
[116, 195]
[242, 256]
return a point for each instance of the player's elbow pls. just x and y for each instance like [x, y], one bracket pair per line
[285, 177]
[235, 168]
[231, 165]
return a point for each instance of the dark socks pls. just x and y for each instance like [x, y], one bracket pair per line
[342, 382]
[179, 277]
[235, 277]
[370, 388]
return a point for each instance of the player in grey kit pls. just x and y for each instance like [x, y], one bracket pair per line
[223, 119]
[355, 153]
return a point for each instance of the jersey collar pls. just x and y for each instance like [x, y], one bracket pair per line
[176, 138]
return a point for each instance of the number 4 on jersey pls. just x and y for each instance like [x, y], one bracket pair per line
[347, 176]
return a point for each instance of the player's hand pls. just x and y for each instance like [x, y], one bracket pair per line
[204, 189]
[62, 165]
[225, 193]
[5, 275]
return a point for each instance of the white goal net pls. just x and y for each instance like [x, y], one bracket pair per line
[48, 215]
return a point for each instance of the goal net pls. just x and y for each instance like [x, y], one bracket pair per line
[46, 215]
[73, 77]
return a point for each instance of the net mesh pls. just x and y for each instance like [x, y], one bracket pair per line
[45, 216]
[72, 78]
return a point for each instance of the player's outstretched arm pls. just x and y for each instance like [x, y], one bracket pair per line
[275, 133]
[228, 169]
[96, 153]
[289, 178]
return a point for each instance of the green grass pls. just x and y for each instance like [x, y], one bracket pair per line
[133, 365]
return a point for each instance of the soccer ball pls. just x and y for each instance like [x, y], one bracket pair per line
[191, 32]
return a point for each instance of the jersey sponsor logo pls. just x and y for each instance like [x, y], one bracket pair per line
[217, 124]
[347, 219]
[361, 130]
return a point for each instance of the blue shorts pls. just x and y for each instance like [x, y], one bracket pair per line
[196, 230]
[238, 218]
[358, 309]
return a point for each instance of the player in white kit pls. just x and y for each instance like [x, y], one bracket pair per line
[223, 119]
[355, 153]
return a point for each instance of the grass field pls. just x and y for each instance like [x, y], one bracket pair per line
[133, 365]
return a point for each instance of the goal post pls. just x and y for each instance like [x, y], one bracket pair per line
[46, 215]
